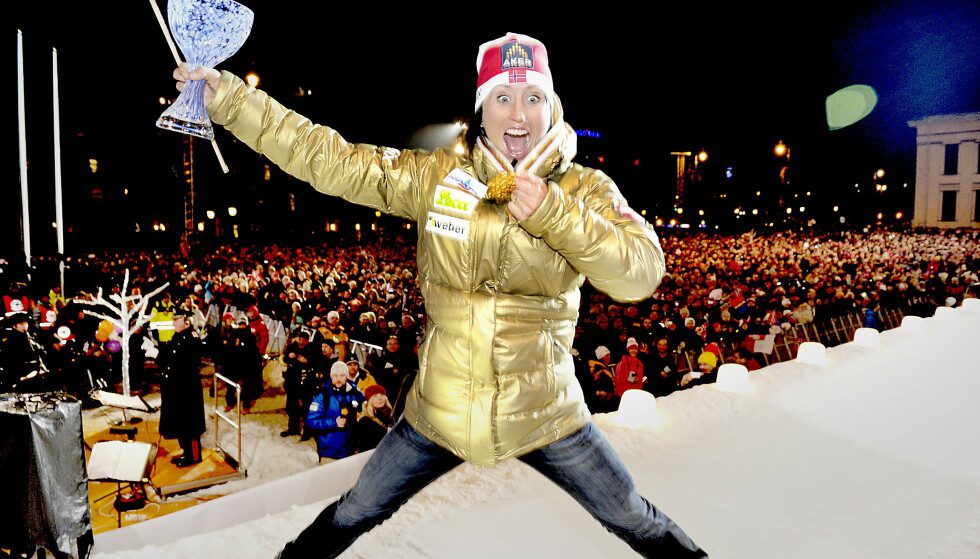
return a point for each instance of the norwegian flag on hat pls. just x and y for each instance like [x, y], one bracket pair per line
[513, 58]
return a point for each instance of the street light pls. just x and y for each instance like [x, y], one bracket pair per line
[210, 214]
[252, 79]
[232, 211]
[780, 150]
[703, 156]
[880, 188]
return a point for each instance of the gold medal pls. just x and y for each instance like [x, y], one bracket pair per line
[500, 187]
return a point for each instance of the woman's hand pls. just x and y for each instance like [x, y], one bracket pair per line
[529, 192]
[210, 75]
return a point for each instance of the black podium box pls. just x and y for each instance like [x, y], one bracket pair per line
[42, 469]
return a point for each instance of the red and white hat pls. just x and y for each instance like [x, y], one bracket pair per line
[64, 334]
[513, 58]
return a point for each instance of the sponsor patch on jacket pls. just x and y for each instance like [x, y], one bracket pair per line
[460, 178]
[454, 200]
[314, 407]
[447, 226]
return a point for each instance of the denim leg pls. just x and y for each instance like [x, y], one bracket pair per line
[403, 463]
[588, 469]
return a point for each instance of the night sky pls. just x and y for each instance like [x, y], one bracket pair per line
[732, 82]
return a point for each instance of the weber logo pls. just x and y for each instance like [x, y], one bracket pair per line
[447, 226]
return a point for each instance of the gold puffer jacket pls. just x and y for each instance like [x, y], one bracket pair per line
[496, 377]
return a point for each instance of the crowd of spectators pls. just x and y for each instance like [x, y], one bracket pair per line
[358, 304]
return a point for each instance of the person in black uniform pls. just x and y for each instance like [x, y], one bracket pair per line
[181, 392]
[21, 365]
[299, 361]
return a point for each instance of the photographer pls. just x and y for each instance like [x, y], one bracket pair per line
[333, 414]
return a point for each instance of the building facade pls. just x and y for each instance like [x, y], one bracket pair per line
[947, 171]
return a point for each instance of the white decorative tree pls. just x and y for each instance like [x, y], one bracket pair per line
[126, 310]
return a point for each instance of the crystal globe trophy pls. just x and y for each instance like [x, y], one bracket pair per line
[207, 32]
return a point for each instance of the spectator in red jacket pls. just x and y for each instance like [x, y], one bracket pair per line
[629, 370]
[259, 329]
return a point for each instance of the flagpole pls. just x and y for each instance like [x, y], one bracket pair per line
[59, 214]
[22, 146]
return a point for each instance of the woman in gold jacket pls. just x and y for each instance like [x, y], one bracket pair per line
[500, 271]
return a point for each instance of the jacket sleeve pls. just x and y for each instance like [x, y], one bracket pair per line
[317, 418]
[384, 179]
[601, 237]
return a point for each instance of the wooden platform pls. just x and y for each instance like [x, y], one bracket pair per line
[166, 480]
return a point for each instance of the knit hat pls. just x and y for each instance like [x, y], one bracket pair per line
[228, 316]
[601, 352]
[373, 390]
[337, 367]
[709, 358]
[631, 343]
[333, 314]
[512, 58]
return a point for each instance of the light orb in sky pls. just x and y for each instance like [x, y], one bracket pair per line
[849, 105]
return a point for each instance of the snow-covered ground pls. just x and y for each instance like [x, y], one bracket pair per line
[876, 455]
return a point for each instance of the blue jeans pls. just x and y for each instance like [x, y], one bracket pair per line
[583, 464]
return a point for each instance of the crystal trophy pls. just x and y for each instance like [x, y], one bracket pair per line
[207, 32]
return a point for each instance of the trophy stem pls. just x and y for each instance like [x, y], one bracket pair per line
[187, 114]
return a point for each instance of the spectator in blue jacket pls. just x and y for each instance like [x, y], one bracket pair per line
[333, 415]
